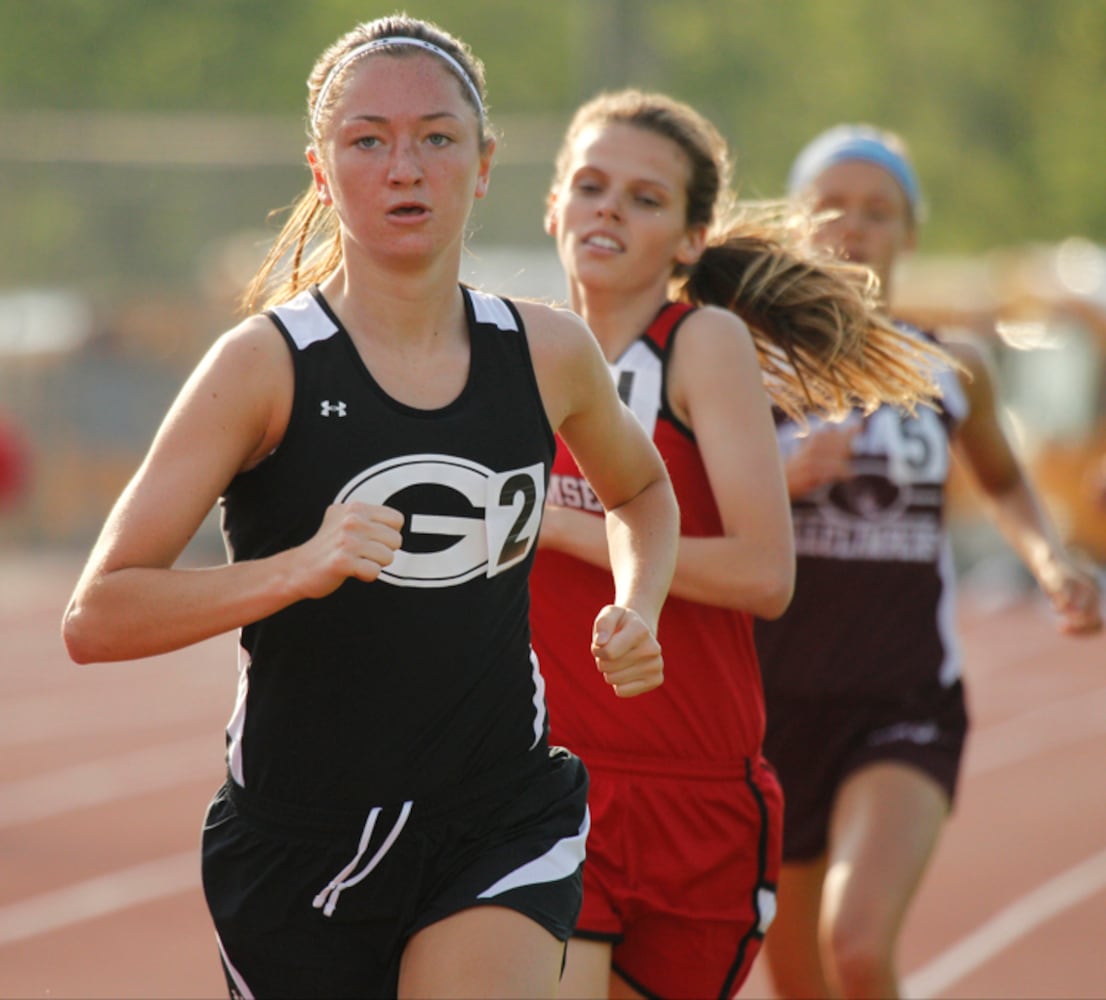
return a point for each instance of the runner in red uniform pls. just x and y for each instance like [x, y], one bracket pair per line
[679, 883]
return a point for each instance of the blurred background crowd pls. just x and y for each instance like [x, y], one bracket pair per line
[144, 144]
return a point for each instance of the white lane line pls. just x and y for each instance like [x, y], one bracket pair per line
[99, 896]
[110, 779]
[1021, 917]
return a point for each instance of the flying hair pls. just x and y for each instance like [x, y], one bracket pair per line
[824, 345]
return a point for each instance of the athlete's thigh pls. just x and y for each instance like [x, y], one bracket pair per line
[885, 826]
[485, 951]
[791, 945]
[587, 970]
[588, 974]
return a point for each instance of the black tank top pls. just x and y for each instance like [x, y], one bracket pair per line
[416, 684]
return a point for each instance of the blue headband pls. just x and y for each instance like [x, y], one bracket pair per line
[855, 142]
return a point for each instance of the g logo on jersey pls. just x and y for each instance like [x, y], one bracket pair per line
[463, 519]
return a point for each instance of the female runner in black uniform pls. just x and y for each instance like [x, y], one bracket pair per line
[380, 439]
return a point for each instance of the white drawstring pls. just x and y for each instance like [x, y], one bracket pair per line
[327, 899]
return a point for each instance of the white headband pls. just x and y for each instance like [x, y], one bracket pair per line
[383, 43]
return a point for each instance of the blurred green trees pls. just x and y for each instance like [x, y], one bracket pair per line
[1003, 102]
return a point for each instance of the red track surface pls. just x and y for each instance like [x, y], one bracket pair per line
[105, 773]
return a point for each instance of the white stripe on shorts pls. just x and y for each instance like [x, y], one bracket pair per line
[239, 983]
[560, 861]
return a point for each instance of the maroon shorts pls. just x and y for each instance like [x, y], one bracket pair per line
[816, 743]
[681, 871]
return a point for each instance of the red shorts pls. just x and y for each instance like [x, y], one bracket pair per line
[681, 871]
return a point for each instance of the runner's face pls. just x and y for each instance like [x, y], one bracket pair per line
[872, 223]
[400, 158]
[619, 215]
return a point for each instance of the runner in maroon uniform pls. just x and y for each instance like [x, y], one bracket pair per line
[866, 712]
[380, 437]
[685, 841]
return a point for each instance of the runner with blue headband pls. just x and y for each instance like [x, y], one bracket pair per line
[865, 663]
[858, 142]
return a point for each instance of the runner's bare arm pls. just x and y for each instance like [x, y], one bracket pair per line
[131, 600]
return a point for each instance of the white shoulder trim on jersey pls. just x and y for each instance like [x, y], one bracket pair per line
[492, 309]
[953, 399]
[639, 377]
[305, 320]
[951, 666]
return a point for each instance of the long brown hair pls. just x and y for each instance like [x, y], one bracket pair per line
[308, 248]
[823, 342]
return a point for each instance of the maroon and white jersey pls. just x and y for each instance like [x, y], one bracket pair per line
[873, 605]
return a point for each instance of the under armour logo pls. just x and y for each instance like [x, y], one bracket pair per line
[327, 408]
